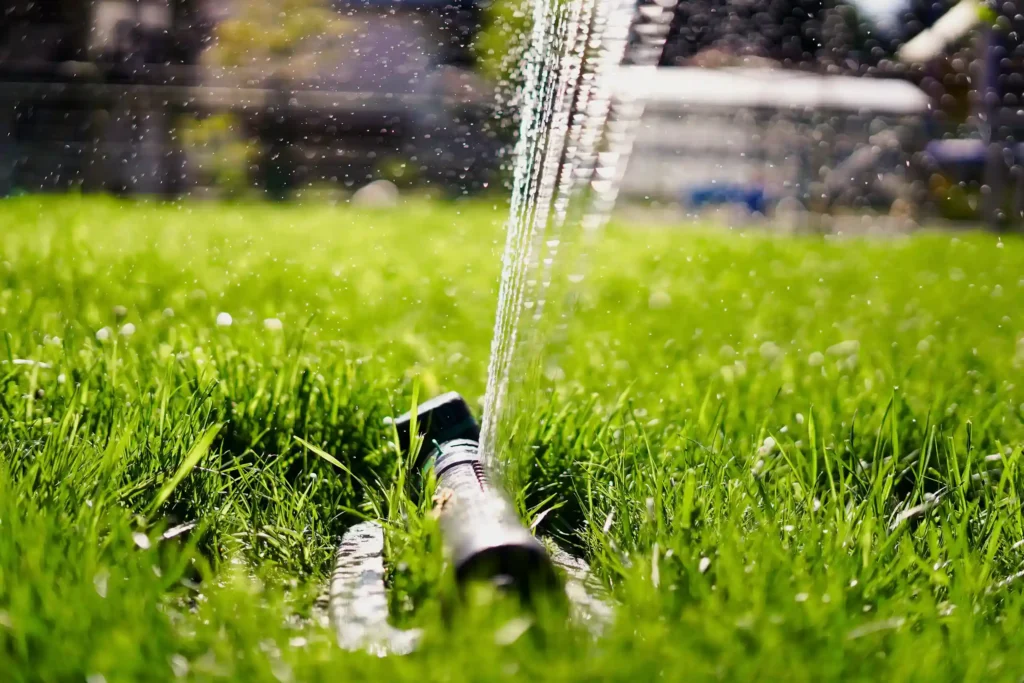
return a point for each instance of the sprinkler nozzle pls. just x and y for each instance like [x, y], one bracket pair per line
[483, 535]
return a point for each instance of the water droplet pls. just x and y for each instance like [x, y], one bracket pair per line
[99, 582]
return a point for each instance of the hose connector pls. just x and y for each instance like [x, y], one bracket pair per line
[483, 535]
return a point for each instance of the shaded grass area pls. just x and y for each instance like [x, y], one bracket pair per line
[789, 458]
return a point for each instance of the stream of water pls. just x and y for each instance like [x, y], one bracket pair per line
[574, 141]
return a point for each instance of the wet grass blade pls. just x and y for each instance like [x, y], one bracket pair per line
[194, 456]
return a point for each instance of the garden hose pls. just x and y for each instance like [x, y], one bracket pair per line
[482, 533]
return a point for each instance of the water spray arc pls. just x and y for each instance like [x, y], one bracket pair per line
[574, 140]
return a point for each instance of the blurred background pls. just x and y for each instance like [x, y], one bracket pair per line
[810, 110]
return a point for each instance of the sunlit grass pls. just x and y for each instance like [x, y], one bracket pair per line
[792, 458]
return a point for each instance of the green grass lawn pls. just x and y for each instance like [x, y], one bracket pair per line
[787, 458]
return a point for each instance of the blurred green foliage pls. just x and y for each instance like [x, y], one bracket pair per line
[219, 150]
[281, 37]
[499, 44]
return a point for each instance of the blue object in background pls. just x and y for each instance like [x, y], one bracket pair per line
[717, 194]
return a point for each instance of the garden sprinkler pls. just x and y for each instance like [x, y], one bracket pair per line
[484, 539]
[483, 536]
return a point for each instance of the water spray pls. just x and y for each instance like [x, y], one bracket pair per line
[574, 140]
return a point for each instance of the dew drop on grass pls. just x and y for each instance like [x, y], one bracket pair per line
[273, 324]
[103, 334]
[658, 300]
[554, 373]
[704, 564]
[224, 319]
[655, 566]
[844, 348]
[770, 350]
[608, 521]
[512, 630]
[99, 582]
[282, 671]
[179, 665]
[127, 330]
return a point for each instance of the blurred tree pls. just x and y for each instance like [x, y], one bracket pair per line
[276, 41]
[284, 38]
[497, 46]
[220, 153]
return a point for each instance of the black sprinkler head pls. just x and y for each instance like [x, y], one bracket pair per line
[483, 535]
[442, 419]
